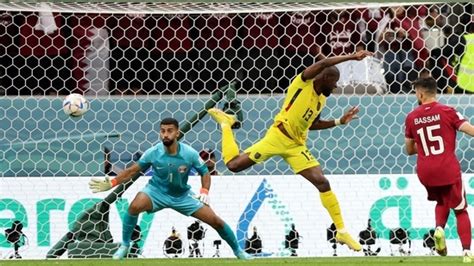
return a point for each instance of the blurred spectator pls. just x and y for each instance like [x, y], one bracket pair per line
[173, 244]
[445, 60]
[171, 53]
[410, 20]
[292, 240]
[43, 53]
[339, 34]
[431, 29]
[91, 53]
[8, 50]
[253, 245]
[398, 59]
[208, 156]
[217, 58]
[298, 43]
[466, 66]
[130, 61]
[369, 26]
[259, 54]
[16, 237]
[196, 233]
[459, 17]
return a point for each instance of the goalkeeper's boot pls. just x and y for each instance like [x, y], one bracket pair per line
[440, 241]
[121, 252]
[242, 255]
[346, 238]
[467, 256]
[221, 117]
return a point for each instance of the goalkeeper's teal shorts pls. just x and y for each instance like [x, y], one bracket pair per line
[186, 203]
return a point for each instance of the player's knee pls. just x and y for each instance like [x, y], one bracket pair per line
[134, 209]
[216, 222]
[321, 183]
[460, 211]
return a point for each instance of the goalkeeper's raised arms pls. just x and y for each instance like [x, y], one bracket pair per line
[103, 184]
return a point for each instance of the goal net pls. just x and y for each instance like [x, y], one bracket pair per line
[140, 62]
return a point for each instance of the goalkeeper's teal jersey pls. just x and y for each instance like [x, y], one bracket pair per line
[171, 172]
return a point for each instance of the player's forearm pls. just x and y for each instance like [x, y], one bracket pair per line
[126, 174]
[325, 124]
[316, 68]
[467, 128]
[411, 149]
[206, 181]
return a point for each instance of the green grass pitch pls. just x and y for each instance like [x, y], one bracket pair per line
[339, 261]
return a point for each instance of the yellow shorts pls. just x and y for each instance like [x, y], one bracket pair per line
[276, 143]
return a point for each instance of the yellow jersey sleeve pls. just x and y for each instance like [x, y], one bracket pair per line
[301, 106]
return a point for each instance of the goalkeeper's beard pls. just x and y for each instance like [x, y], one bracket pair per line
[168, 142]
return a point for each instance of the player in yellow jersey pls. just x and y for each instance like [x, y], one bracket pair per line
[304, 101]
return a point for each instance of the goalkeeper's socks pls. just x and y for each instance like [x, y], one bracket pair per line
[230, 149]
[228, 235]
[330, 202]
[129, 222]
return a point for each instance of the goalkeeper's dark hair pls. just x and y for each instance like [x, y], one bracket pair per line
[170, 121]
[427, 84]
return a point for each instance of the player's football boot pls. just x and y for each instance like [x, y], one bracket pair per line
[440, 241]
[467, 256]
[346, 238]
[221, 117]
[120, 253]
[242, 255]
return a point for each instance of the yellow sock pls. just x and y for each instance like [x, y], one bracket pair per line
[230, 150]
[330, 202]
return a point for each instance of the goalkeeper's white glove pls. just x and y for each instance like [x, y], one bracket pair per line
[101, 184]
[204, 196]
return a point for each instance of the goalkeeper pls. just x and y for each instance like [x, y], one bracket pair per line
[171, 162]
[301, 110]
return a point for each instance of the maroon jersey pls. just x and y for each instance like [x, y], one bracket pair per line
[433, 127]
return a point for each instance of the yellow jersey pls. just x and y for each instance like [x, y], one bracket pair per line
[301, 106]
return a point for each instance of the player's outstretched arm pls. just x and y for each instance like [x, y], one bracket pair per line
[103, 184]
[348, 116]
[316, 68]
[467, 128]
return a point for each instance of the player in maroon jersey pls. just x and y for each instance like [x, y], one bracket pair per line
[430, 132]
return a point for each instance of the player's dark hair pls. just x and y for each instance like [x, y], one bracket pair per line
[169, 121]
[428, 84]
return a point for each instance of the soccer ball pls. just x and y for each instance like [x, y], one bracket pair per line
[75, 105]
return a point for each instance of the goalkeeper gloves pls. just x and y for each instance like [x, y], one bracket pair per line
[99, 184]
[204, 196]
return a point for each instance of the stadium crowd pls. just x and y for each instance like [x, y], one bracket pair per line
[45, 53]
